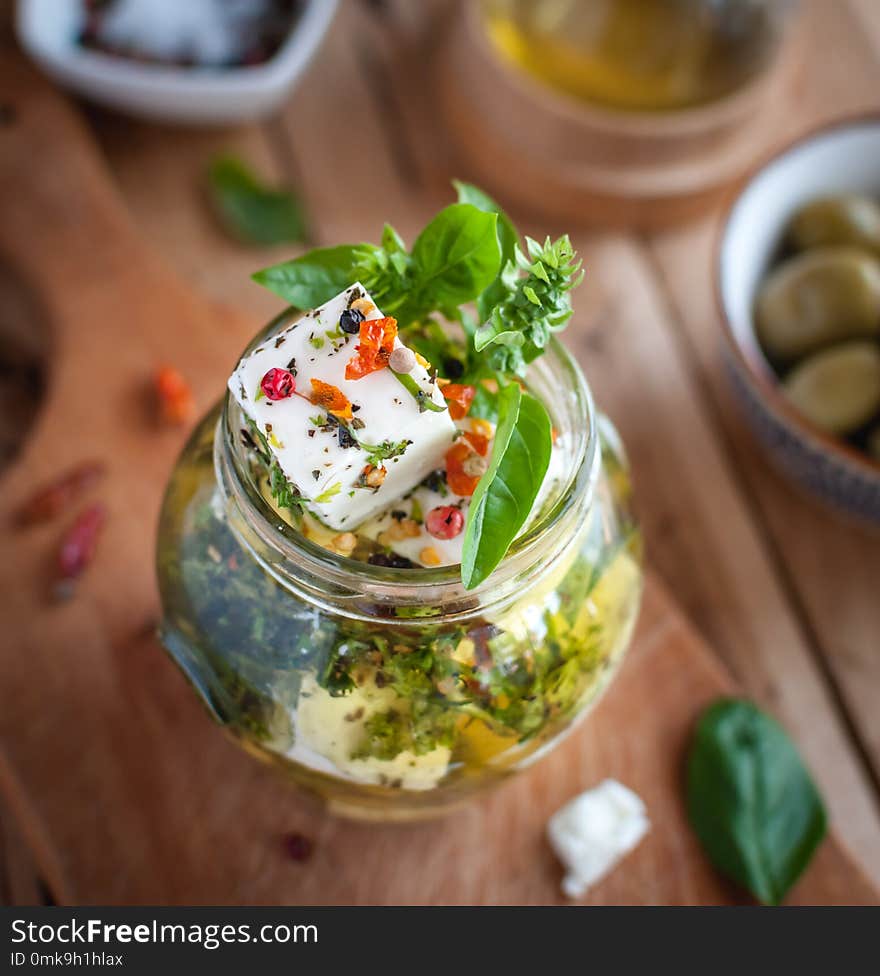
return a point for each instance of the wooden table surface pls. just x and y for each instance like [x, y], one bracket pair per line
[783, 590]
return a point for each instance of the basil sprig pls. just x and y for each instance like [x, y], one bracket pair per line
[506, 492]
[454, 259]
[751, 801]
[469, 255]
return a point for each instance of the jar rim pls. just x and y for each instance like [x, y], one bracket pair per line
[411, 584]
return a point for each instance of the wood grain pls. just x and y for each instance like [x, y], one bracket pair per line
[142, 799]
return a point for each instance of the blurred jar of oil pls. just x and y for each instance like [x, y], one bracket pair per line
[639, 55]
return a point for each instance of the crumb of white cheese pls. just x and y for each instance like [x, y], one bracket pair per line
[592, 832]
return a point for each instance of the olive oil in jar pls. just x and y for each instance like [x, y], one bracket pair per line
[638, 55]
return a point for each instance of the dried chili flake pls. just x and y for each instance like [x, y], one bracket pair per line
[80, 542]
[459, 399]
[278, 384]
[457, 476]
[176, 403]
[478, 442]
[52, 499]
[374, 348]
[331, 398]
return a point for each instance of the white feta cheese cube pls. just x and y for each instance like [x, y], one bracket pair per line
[328, 468]
[329, 731]
[592, 832]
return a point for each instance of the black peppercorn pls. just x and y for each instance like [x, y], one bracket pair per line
[453, 369]
[350, 321]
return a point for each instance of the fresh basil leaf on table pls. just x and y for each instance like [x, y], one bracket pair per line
[506, 492]
[751, 801]
[250, 211]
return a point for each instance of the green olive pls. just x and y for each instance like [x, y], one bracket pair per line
[848, 219]
[817, 298]
[837, 389]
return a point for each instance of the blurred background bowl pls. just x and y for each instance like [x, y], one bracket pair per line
[844, 157]
[49, 31]
[573, 159]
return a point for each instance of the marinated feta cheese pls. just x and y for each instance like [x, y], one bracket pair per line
[330, 733]
[592, 832]
[347, 431]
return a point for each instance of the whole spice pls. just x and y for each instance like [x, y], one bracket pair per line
[445, 522]
[53, 498]
[402, 360]
[278, 384]
[80, 542]
[350, 321]
[298, 847]
[176, 403]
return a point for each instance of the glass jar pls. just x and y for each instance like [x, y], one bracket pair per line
[640, 55]
[395, 693]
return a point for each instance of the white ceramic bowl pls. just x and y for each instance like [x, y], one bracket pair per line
[844, 157]
[48, 31]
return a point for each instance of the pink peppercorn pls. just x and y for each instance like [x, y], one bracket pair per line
[297, 847]
[278, 384]
[444, 522]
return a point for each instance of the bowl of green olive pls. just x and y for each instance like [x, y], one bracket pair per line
[798, 284]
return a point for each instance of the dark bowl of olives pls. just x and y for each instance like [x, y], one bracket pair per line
[798, 284]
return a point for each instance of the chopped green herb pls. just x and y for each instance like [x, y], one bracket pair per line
[329, 494]
[384, 451]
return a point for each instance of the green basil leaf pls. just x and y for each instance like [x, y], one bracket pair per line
[315, 277]
[506, 492]
[250, 211]
[392, 242]
[496, 331]
[508, 241]
[751, 801]
[456, 257]
[484, 404]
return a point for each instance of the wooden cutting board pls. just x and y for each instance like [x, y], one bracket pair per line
[122, 788]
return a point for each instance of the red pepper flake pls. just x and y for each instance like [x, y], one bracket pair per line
[176, 403]
[278, 384]
[298, 847]
[478, 442]
[457, 477]
[52, 499]
[331, 398]
[80, 542]
[374, 348]
[459, 399]
[445, 522]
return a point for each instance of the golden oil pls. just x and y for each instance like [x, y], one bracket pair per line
[637, 55]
